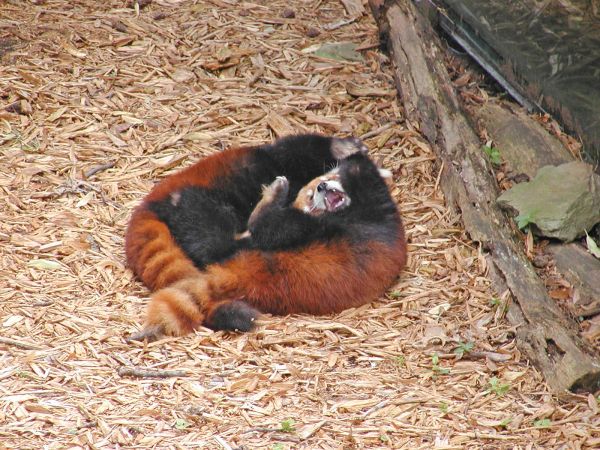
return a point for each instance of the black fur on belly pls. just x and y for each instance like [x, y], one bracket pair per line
[204, 220]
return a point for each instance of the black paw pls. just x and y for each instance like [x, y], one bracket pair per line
[233, 316]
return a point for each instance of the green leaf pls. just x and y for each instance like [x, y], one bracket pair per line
[498, 388]
[287, 425]
[463, 347]
[493, 153]
[505, 422]
[592, 246]
[44, 264]
[523, 220]
[278, 446]
[542, 423]
[181, 424]
[435, 366]
[444, 407]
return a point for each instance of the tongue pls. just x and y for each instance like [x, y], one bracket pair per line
[334, 200]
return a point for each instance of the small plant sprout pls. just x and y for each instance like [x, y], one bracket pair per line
[497, 387]
[181, 424]
[505, 422]
[495, 301]
[493, 153]
[287, 425]
[463, 348]
[400, 361]
[435, 366]
[443, 407]
[278, 446]
[542, 423]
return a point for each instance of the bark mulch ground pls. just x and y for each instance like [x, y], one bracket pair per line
[98, 100]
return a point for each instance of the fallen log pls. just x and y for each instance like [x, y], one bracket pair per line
[547, 337]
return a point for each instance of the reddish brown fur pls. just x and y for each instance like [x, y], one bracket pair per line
[318, 279]
[151, 251]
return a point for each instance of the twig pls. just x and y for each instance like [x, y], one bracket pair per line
[20, 344]
[94, 170]
[261, 430]
[379, 130]
[339, 24]
[223, 443]
[377, 407]
[150, 373]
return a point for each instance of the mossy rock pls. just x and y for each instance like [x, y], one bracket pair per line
[561, 202]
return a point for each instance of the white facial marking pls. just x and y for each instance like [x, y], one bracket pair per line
[332, 184]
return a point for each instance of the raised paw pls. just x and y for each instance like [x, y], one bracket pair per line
[343, 147]
[273, 194]
[277, 190]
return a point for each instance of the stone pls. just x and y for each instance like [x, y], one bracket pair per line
[561, 202]
[523, 143]
[341, 51]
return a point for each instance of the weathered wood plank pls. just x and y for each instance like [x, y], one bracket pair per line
[546, 336]
[582, 270]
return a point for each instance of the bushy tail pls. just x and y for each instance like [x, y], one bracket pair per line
[182, 298]
[152, 253]
[186, 305]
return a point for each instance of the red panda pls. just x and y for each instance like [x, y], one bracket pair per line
[186, 241]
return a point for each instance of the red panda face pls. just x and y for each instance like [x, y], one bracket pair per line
[323, 194]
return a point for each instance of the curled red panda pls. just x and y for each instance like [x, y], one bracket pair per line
[344, 251]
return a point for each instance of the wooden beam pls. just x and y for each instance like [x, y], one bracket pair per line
[544, 334]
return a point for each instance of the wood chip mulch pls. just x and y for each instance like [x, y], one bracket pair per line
[98, 100]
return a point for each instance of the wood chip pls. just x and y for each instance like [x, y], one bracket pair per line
[124, 94]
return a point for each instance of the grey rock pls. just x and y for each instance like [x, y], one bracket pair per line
[561, 201]
[340, 51]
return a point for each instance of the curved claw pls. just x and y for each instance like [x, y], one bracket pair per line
[151, 333]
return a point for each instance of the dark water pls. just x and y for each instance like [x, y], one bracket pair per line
[549, 50]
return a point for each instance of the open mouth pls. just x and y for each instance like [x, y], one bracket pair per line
[334, 199]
